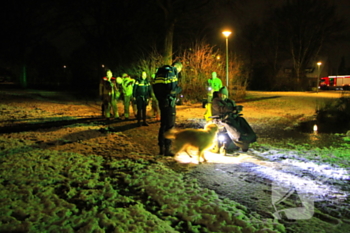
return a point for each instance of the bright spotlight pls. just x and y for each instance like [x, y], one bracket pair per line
[222, 138]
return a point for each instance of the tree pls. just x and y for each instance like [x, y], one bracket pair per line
[174, 11]
[304, 28]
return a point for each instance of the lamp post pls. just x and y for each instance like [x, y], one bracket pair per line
[318, 74]
[226, 34]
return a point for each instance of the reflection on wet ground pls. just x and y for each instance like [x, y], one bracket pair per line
[310, 137]
[321, 127]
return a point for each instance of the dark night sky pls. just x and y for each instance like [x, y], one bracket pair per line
[256, 9]
[248, 10]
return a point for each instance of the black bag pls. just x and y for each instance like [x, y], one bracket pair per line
[246, 132]
[239, 129]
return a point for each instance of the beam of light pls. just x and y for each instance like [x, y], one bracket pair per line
[211, 158]
[285, 173]
[318, 170]
[316, 189]
[221, 138]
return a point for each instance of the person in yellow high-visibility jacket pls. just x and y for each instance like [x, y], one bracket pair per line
[127, 88]
[214, 84]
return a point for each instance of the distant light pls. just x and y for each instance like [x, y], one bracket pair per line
[226, 33]
[319, 63]
[218, 57]
[103, 66]
[315, 128]
[64, 67]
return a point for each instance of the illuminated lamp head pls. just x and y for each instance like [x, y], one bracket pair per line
[221, 138]
[144, 75]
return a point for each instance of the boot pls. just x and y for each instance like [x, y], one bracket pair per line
[144, 117]
[167, 152]
[161, 150]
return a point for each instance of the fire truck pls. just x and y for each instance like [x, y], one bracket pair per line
[337, 82]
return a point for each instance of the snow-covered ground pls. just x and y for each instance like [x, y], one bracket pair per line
[65, 170]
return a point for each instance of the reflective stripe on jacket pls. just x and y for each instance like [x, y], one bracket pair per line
[142, 88]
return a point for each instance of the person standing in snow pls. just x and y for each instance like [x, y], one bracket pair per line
[155, 104]
[109, 94]
[165, 87]
[127, 87]
[214, 84]
[141, 95]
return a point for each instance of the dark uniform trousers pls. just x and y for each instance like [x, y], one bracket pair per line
[141, 103]
[167, 121]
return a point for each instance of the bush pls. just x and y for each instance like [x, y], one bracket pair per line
[199, 62]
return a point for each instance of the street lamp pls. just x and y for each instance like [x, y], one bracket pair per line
[318, 74]
[226, 34]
